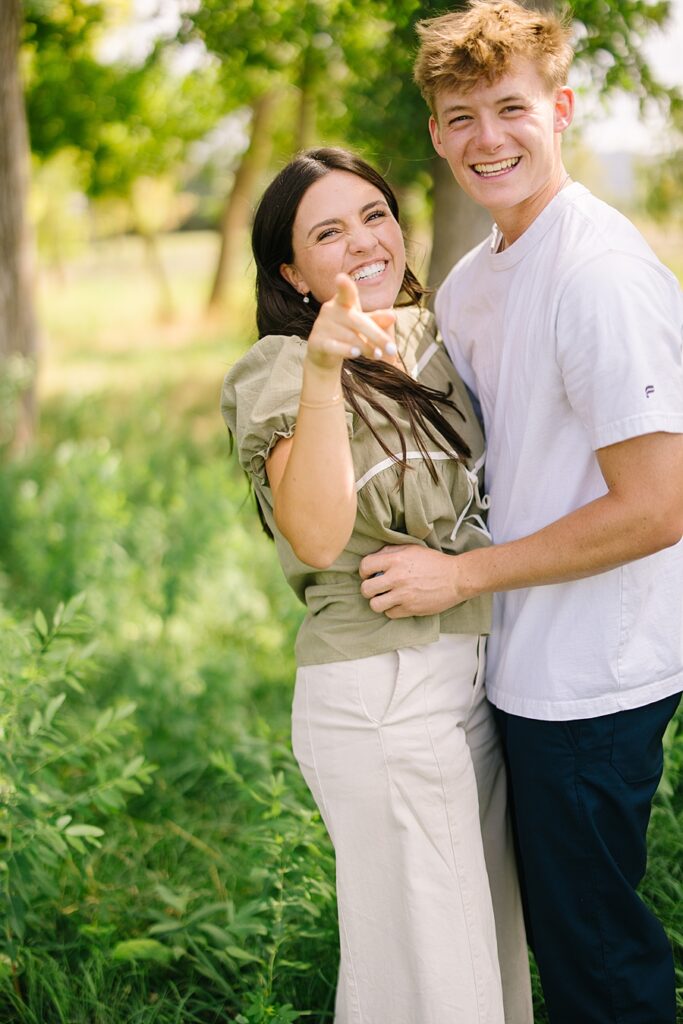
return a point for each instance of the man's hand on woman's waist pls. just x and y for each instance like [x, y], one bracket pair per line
[411, 580]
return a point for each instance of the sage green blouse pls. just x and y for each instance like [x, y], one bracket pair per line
[260, 403]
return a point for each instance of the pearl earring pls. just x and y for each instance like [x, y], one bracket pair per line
[306, 299]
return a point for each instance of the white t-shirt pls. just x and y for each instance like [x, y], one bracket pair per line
[571, 339]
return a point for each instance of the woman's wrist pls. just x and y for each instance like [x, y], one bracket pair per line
[320, 384]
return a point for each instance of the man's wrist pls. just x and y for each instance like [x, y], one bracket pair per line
[466, 571]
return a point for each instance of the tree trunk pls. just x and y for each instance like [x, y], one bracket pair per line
[237, 211]
[307, 109]
[306, 119]
[158, 271]
[458, 223]
[18, 328]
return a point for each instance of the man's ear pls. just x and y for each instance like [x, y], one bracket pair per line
[435, 133]
[563, 114]
[293, 277]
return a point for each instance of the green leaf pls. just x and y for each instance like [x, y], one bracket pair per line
[219, 935]
[170, 924]
[133, 766]
[88, 831]
[76, 843]
[73, 608]
[129, 786]
[173, 924]
[35, 723]
[53, 707]
[104, 720]
[142, 949]
[58, 615]
[125, 711]
[171, 899]
[108, 800]
[40, 623]
[241, 954]
[56, 843]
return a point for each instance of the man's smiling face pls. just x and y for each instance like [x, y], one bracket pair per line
[502, 143]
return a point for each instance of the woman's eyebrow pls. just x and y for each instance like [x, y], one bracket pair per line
[321, 224]
[336, 220]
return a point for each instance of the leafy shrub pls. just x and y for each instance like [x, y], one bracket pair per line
[194, 626]
[663, 884]
[272, 937]
[66, 768]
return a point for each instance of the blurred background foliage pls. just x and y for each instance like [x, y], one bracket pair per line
[160, 858]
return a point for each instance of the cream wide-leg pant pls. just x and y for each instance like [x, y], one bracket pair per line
[402, 757]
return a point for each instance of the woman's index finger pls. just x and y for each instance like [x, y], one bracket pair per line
[347, 293]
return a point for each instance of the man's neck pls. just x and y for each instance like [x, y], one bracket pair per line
[513, 223]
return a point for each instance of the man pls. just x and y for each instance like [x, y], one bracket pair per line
[568, 330]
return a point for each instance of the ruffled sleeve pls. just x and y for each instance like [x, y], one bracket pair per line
[260, 399]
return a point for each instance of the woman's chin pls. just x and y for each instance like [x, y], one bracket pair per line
[382, 295]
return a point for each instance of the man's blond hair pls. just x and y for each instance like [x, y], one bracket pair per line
[482, 42]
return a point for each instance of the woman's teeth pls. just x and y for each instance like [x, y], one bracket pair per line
[372, 270]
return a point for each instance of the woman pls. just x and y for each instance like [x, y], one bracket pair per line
[356, 432]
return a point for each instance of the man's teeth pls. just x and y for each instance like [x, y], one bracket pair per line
[372, 270]
[502, 165]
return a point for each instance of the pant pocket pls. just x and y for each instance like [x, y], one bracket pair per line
[637, 752]
[478, 673]
[377, 680]
[299, 720]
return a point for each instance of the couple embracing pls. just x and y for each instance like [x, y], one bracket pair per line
[478, 796]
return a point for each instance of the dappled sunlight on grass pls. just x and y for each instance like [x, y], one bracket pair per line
[102, 328]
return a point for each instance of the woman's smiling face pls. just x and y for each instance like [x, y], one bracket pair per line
[344, 225]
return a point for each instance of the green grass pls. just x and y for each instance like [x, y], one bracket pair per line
[102, 329]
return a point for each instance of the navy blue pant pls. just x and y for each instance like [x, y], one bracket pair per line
[581, 794]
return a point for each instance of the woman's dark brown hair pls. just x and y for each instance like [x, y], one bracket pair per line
[280, 309]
